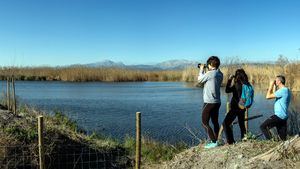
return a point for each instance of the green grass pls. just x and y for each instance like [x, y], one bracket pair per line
[154, 151]
[63, 120]
[27, 135]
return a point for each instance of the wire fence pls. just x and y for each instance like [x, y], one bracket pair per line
[18, 157]
[63, 157]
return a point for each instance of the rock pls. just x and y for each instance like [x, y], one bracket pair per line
[236, 166]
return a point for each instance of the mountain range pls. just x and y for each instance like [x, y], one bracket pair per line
[166, 65]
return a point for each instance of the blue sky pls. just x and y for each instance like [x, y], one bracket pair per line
[62, 32]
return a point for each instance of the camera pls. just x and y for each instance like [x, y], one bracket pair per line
[199, 64]
[231, 77]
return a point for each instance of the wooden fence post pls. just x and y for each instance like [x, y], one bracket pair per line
[14, 96]
[41, 142]
[138, 141]
[8, 93]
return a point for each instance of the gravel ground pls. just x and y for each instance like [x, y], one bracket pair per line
[235, 156]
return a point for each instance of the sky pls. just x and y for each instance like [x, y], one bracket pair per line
[63, 32]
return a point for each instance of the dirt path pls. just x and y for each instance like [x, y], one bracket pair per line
[250, 154]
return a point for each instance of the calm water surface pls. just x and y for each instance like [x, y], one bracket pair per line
[168, 108]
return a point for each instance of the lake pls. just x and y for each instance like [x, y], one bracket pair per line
[168, 109]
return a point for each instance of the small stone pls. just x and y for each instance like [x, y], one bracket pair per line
[236, 166]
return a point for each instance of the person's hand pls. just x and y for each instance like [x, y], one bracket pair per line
[272, 82]
[231, 77]
[202, 66]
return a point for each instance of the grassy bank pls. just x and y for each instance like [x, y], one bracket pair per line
[66, 142]
[154, 151]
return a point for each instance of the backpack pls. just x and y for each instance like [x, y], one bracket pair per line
[246, 97]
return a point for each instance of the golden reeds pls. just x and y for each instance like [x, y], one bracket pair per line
[258, 74]
[83, 74]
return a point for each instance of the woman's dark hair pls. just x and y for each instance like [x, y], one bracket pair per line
[213, 61]
[241, 77]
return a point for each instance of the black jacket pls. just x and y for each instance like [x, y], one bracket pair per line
[236, 90]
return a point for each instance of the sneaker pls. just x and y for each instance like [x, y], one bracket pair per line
[211, 145]
[245, 138]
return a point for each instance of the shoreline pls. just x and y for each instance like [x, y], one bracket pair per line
[63, 136]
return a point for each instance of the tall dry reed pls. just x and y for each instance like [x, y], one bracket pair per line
[259, 75]
[82, 74]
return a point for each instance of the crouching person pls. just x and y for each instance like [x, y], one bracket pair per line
[282, 100]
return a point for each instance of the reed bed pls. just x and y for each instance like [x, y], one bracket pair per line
[84, 74]
[259, 74]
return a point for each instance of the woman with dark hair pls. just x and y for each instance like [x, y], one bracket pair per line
[240, 78]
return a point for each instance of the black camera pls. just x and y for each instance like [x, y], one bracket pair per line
[231, 77]
[199, 64]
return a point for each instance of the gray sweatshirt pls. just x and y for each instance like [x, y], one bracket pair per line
[212, 81]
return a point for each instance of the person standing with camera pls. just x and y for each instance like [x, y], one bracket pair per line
[282, 100]
[212, 80]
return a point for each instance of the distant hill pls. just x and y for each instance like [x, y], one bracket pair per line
[106, 63]
[166, 65]
[176, 64]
